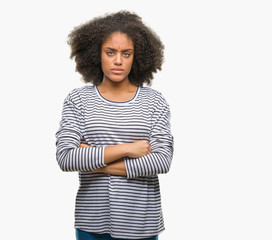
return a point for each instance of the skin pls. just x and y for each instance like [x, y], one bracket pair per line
[117, 53]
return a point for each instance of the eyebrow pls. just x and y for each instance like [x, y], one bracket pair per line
[113, 49]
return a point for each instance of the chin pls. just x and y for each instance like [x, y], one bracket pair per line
[117, 80]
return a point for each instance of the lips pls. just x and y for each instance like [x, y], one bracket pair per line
[117, 70]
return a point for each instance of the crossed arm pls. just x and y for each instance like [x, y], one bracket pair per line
[130, 159]
[113, 156]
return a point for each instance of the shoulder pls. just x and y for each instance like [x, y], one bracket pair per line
[153, 96]
[80, 93]
[82, 90]
[150, 91]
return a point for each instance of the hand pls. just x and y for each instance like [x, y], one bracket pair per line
[99, 170]
[138, 149]
[84, 145]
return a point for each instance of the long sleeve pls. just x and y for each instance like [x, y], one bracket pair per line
[69, 136]
[161, 141]
[112, 200]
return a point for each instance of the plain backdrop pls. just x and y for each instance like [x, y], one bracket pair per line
[217, 79]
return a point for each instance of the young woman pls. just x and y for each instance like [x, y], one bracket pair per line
[116, 133]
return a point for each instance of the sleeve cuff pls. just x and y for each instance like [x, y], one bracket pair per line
[128, 165]
[96, 157]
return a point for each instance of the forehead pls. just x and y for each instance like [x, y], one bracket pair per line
[118, 40]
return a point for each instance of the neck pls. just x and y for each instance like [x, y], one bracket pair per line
[117, 87]
[117, 91]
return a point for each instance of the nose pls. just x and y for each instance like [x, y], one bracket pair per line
[118, 59]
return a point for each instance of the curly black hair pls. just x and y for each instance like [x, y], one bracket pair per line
[86, 41]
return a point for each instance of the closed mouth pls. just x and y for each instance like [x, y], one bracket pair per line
[117, 70]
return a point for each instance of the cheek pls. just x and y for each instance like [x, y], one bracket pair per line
[104, 63]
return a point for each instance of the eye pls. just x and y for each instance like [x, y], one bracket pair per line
[127, 54]
[110, 53]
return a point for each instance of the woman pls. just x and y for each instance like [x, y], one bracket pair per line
[116, 133]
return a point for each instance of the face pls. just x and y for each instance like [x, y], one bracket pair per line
[117, 54]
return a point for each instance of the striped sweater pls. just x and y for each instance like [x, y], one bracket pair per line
[125, 207]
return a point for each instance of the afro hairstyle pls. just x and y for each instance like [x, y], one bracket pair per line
[86, 40]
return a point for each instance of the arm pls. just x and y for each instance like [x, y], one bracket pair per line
[147, 163]
[161, 141]
[115, 168]
[133, 150]
[113, 156]
[69, 156]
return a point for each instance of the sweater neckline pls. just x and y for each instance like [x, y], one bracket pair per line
[115, 102]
